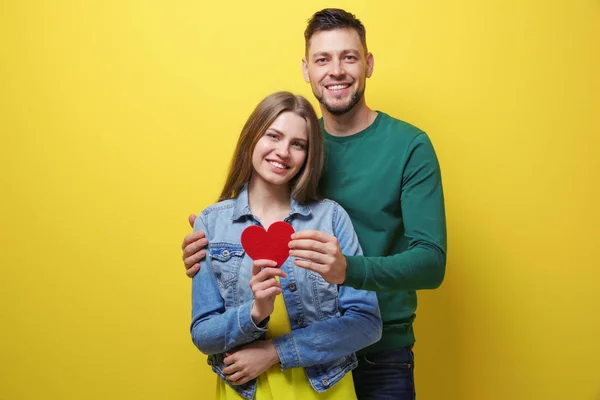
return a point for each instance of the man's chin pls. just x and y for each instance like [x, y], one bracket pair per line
[338, 109]
[339, 106]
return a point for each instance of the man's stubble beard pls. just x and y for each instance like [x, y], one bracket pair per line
[341, 110]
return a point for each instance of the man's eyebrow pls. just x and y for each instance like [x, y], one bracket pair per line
[320, 54]
[345, 51]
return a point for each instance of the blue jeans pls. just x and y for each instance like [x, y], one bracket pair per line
[387, 375]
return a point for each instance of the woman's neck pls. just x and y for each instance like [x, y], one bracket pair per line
[270, 203]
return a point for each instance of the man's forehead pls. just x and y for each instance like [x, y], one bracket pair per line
[335, 41]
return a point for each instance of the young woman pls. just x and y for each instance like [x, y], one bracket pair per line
[278, 333]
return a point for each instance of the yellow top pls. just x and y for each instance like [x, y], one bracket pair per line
[291, 384]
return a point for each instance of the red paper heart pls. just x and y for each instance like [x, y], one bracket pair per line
[268, 245]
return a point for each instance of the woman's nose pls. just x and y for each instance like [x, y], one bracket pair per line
[282, 151]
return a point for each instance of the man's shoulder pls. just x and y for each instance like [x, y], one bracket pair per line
[397, 133]
[396, 125]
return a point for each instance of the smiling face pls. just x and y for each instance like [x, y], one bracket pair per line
[281, 151]
[337, 66]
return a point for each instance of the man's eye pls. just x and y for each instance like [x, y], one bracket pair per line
[320, 60]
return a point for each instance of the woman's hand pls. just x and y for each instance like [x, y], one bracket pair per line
[264, 288]
[250, 361]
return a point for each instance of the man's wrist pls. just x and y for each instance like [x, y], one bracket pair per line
[356, 273]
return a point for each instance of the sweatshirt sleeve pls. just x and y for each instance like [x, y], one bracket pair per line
[423, 264]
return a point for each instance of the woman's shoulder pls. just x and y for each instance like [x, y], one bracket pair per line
[324, 203]
[221, 206]
[330, 217]
[216, 213]
[327, 206]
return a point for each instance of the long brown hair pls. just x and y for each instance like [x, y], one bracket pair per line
[303, 186]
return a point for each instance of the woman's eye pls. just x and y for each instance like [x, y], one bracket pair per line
[272, 135]
[299, 145]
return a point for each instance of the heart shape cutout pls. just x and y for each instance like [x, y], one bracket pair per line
[271, 244]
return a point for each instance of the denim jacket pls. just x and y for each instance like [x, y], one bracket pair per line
[329, 322]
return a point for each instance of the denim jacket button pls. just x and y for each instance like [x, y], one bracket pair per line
[300, 321]
[292, 287]
[325, 382]
[225, 253]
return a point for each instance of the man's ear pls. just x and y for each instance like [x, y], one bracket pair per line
[305, 69]
[370, 64]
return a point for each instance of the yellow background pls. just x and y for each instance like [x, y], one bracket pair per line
[118, 118]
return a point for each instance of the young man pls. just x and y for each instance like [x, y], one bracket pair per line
[385, 173]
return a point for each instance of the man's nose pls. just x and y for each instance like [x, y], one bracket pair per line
[337, 68]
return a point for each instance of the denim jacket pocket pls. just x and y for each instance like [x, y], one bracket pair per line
[225, 260]
[324, 296]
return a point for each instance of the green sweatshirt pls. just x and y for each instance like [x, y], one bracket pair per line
[387, 177]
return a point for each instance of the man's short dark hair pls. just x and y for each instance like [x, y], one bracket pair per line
[330, 19]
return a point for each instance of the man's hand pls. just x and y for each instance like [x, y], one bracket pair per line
[250, 361]
[319, 252]
[264, 287]
[193, 249]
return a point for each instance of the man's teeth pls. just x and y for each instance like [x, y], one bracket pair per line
[277, 164]
[337, 87]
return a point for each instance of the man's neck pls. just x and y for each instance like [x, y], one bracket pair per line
[356, 120]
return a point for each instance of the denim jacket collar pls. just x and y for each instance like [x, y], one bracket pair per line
[242, 206]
